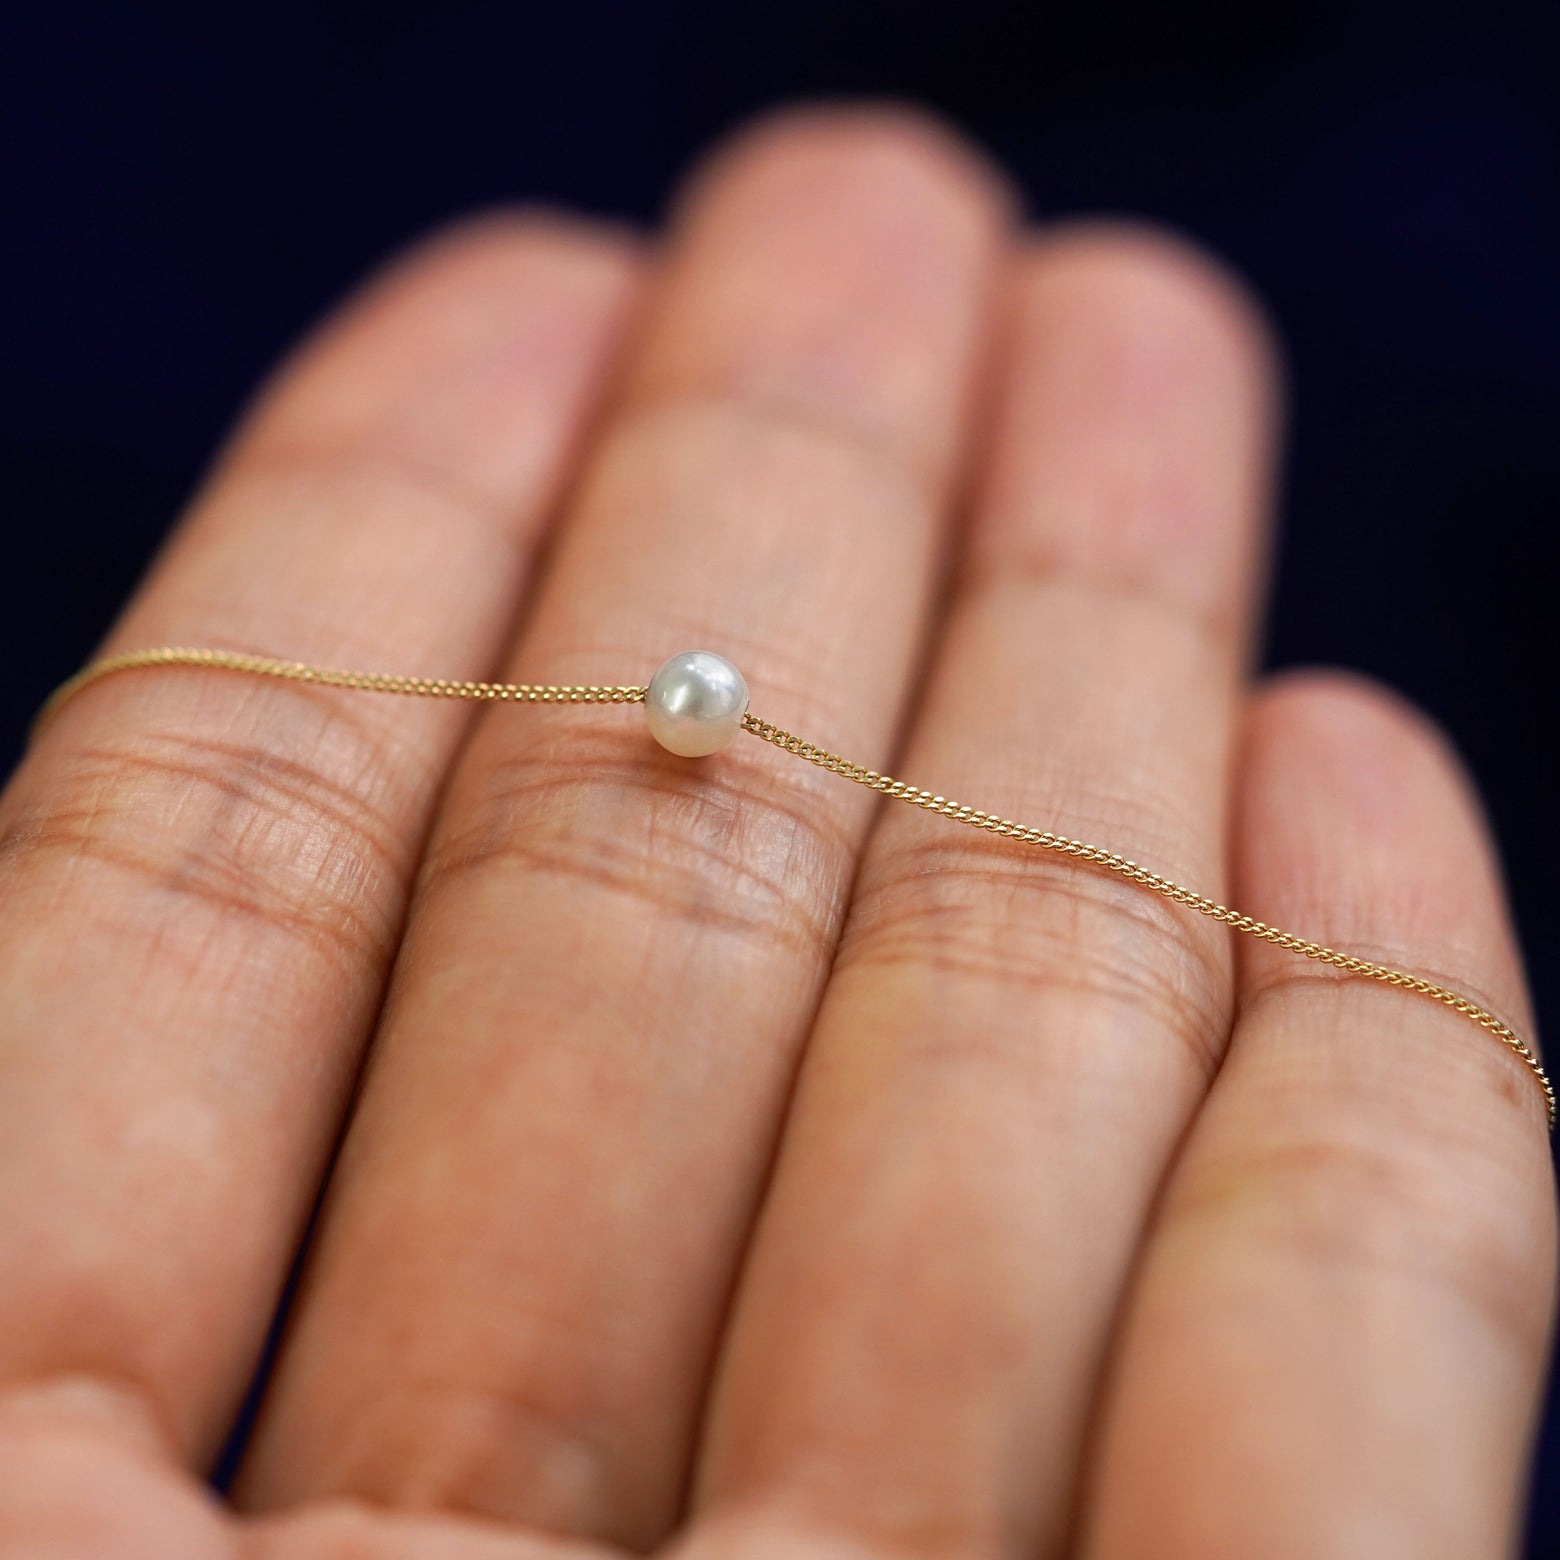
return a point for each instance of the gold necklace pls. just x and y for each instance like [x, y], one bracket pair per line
[697, 701]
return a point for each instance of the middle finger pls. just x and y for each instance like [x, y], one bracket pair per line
[614, 955]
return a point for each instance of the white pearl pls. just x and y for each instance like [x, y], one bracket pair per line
[695, 703]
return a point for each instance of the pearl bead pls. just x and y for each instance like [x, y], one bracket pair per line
[695, 703]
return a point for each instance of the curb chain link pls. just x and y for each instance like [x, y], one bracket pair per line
[810, 752]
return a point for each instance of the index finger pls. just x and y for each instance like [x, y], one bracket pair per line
[202, 879]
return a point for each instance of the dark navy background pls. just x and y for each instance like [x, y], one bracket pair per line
[186, 188]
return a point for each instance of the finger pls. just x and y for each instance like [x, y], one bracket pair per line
[1011, 1044]
[1339, 1333]
[202, 879]
[616, 954]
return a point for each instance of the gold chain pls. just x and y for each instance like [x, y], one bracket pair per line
[332, 677]
[942, 806]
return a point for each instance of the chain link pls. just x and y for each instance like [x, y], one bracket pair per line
[1095, 855]
[335, 677]
[810, 752]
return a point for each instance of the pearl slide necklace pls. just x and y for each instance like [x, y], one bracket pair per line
[698, 702]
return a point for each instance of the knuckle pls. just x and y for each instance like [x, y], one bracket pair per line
[294, 473]
[480, 1451]
[334, 1529]
[90, 1404]
[735, 852]
[1384, 1203]
[375, 489]
[234, 827]
[830, 1524]
[678, 420]
[994, 912]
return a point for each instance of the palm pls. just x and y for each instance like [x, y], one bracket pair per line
[734, 1169]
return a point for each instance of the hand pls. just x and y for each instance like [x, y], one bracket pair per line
[725, 1154]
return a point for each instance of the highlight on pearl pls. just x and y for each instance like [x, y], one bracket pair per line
[695, 703]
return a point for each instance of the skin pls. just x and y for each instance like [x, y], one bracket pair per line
[711, 1160]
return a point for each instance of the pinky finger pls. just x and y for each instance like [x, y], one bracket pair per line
[1338, 1335]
